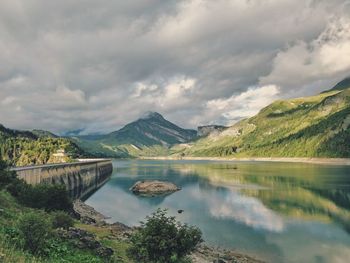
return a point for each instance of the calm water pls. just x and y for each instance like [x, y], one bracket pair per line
[279, 212]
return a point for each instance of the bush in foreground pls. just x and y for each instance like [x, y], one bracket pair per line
[161, 239]
[35, 230]
[62, 220]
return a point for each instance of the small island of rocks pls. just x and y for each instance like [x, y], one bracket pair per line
[153, 188]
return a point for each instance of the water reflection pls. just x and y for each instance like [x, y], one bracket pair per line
[247, 210]
[279, 212]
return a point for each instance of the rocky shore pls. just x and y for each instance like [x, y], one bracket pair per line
[311, 160]
[119, 231]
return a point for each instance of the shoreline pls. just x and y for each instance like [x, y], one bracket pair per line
[311, 160]
[203, 254]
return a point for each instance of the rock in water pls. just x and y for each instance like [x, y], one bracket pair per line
[152, 188]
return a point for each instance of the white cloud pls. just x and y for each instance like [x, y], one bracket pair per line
[165, 95]
[8, 101]
[70, 97]
[303, 63]
[245, 104]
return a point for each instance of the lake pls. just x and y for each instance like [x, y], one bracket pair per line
[277, 212]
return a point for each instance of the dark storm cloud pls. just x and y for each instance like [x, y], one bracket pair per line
[96, 65]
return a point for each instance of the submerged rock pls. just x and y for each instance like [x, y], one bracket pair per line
[152, 188]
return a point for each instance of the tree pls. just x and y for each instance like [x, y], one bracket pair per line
[46, 196]
[162, 239]
[6, 176]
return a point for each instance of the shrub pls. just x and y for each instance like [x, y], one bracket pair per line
[6, 177]
[43, 196]
[162, 239]
[16, 187]
[35, 230]
[48, 197]
[3, 164]
[61, 220]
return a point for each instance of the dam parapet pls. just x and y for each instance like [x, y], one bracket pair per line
[80, 178]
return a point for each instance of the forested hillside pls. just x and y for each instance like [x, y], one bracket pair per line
[22, 148]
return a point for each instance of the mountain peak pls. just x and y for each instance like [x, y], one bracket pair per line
[151, 115]
[149, 130]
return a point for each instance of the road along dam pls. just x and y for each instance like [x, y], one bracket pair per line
[80, 178]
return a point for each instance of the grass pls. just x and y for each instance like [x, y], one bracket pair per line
[9, 253]
[58, 250]
[104, 234]
[315, 126]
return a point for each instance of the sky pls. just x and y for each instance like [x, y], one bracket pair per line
[97, 65]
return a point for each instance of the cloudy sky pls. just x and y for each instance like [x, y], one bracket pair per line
[96, 65]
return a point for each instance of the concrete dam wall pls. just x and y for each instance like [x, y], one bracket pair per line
[80, 178]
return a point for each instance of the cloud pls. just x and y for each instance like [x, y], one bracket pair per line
[8, 100]
[243, 105]
[248, 211]
[110, 61]
[70, 98]
[324, 57]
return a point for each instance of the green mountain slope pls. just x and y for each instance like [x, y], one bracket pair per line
[344, 84]
[22, 148]
[150, 135]
[42, 133]
[316, 126]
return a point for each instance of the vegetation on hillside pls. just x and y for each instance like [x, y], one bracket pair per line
[21, 148]
[28, 230]
[316, 126]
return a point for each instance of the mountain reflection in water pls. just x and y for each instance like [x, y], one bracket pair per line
[279, 212]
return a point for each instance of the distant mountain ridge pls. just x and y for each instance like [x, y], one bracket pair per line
[315, 126]
[151, 134]
[344, 84]
[151, 130]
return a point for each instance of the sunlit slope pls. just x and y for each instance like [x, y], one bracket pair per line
[316, 126]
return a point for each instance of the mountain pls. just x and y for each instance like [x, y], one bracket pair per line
[5, 132]
[22, 148]
[72, 133]
[316, 126]
[344, 84]
[209, 129]
[43, 134]
[149, 135]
